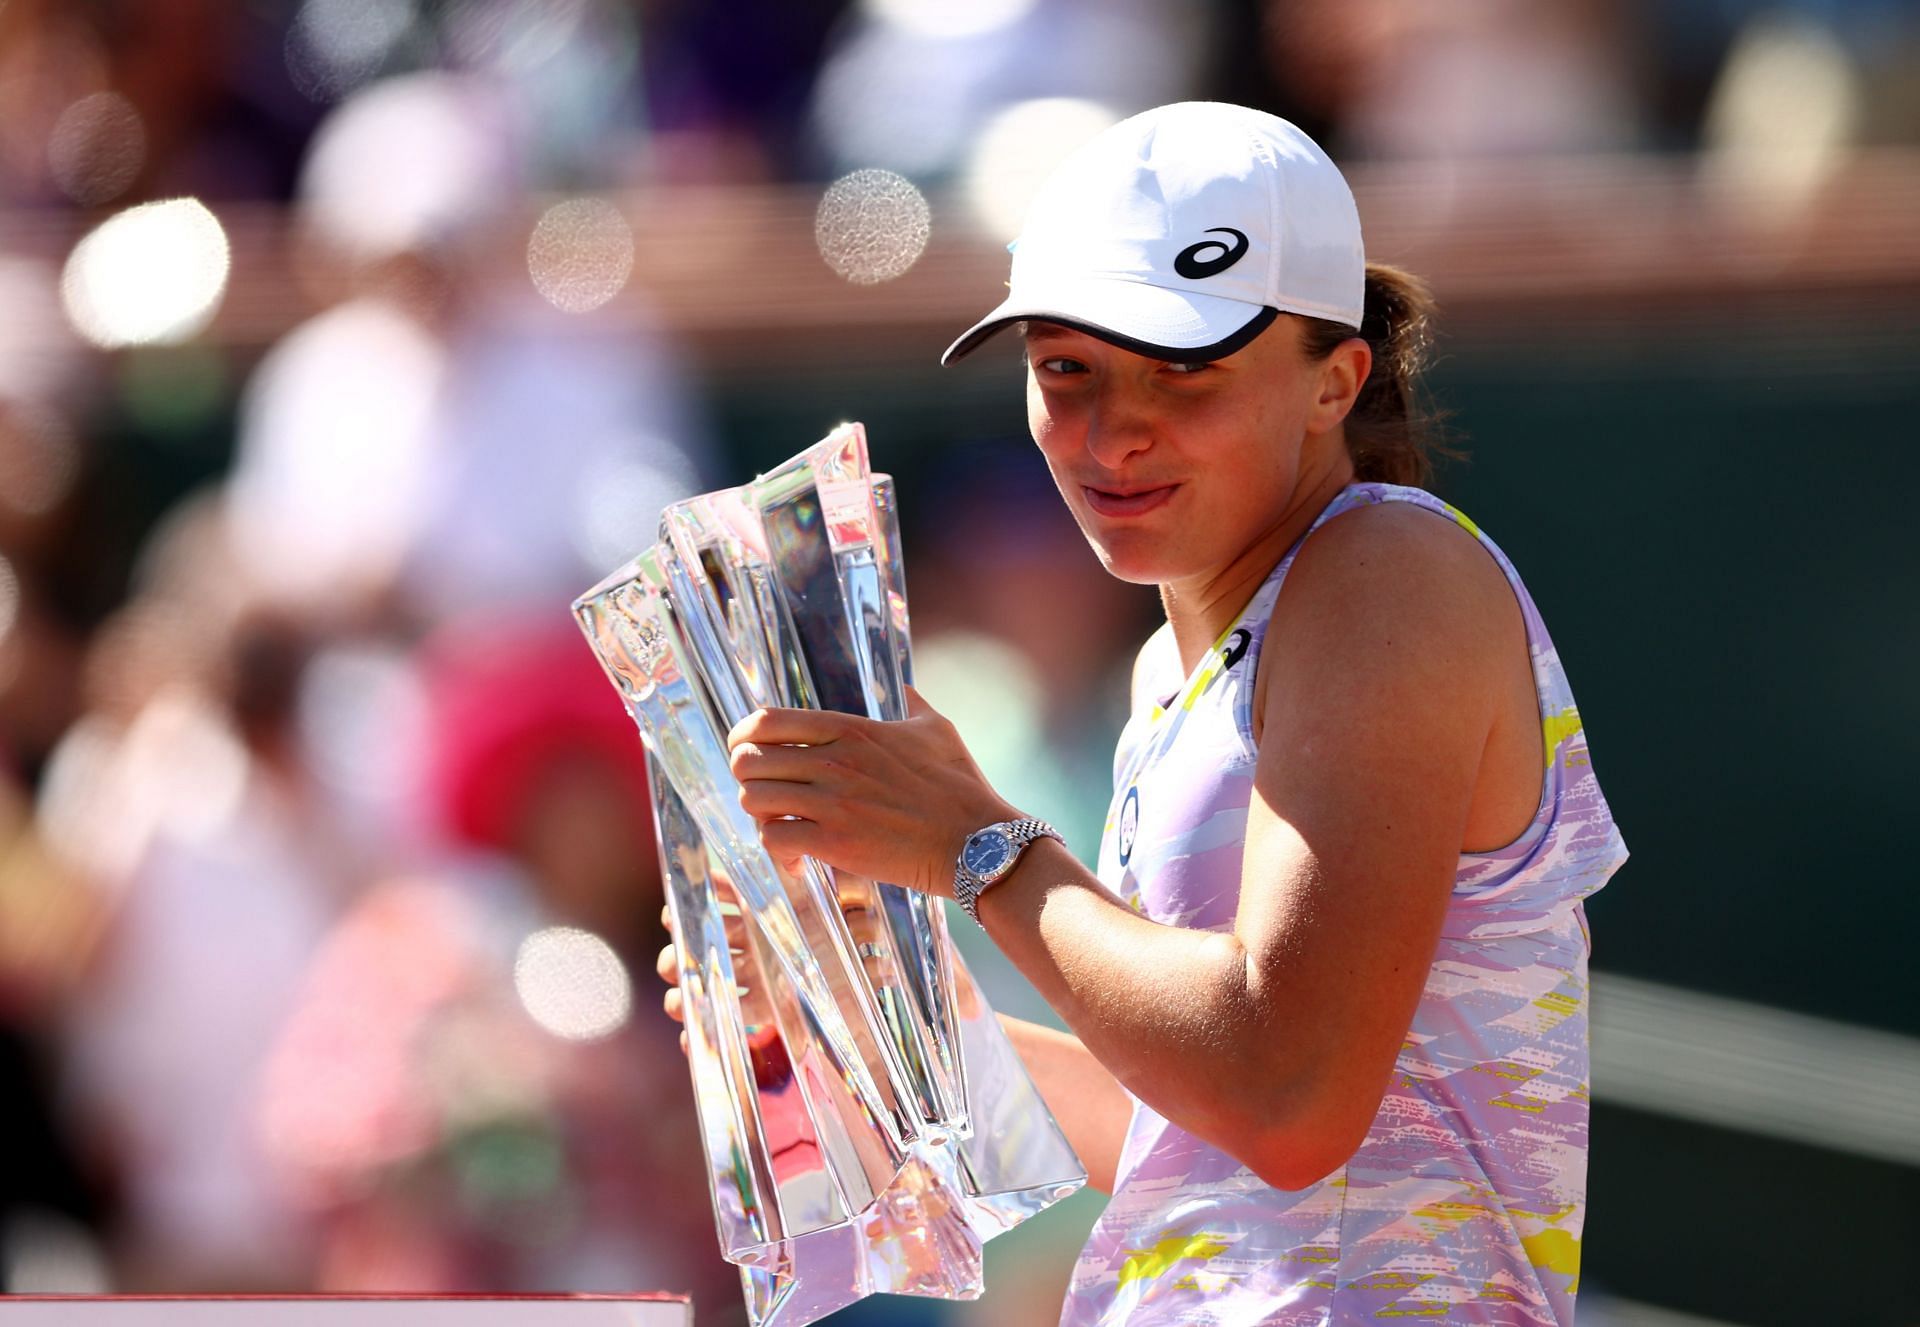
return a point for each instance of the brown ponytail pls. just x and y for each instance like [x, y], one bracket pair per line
[1393, 432]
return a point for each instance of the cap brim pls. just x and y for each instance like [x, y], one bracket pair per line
[1178, 326]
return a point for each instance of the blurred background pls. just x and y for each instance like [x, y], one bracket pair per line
[342, 342]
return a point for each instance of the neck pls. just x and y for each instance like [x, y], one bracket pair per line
[1200, 608]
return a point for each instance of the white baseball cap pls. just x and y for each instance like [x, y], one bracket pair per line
[1181, 233]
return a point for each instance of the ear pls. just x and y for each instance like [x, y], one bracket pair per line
[1342, 374]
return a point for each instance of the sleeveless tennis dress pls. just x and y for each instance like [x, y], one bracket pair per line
[1465, 1202]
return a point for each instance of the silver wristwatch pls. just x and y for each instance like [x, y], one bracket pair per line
[989, 854]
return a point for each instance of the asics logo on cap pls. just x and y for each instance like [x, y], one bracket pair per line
[1193, 266]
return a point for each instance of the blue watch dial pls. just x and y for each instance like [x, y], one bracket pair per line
[987, 853]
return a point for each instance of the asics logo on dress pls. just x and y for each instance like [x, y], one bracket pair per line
[1236, 648]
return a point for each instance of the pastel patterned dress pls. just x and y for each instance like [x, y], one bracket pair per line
[1464, 1203]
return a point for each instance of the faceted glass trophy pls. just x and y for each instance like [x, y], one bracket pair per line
[866, 1124]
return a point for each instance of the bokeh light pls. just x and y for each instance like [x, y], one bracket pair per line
[572, 983]
[97, 148]
[872, 226]
[416, 162]
[947, 19]
[152, 274]
[331, 482]
[336, 45]
[580, 254]
[1018, 149]
[1784, 110]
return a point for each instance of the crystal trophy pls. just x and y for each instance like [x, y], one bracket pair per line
[865, 1122]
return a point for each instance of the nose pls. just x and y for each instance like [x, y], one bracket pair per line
[1120, 426]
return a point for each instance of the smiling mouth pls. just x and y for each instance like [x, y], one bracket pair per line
[1128, 502]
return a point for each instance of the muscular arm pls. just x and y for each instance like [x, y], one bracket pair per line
[1272, 1040]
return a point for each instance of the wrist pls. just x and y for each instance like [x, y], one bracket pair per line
[990, 853]
[1017, 901]
[963, 826]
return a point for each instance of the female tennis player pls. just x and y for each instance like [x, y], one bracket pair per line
[1328, 989]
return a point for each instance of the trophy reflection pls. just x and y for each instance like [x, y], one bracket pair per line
[866, 1125]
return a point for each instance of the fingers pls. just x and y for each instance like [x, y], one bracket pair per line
[777, 727]
[780, 782]
[668, 966]
[676, 1005]
[772, 799]
[792, 764]
[787, 841]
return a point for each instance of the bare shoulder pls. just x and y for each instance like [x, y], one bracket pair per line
[1396, 562]
[1398, 555]
[1393, 592]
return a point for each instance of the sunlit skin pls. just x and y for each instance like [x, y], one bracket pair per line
[1397, 727]
[1193, 477]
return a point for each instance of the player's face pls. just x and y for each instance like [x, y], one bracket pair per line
[1175, 471]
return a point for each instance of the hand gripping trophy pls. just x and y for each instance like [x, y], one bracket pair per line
[865, 1122]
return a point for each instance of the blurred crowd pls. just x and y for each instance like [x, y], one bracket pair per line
[328, 898]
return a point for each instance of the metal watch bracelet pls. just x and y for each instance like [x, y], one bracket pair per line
[967, 887]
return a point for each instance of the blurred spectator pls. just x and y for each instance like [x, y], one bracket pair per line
[1399, 79]
[435, 442]
[51, 1195]
[468, 1096]
[181, 798]
[910, 84]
